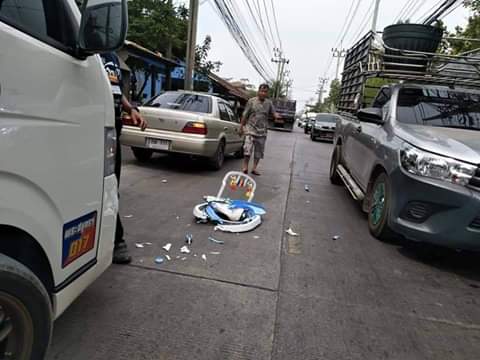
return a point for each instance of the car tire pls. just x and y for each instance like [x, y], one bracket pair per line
[216, 161]
[305, 130]
[379, 211]
[141, 154]
[26, 317]
[312, 137]
[335, 179]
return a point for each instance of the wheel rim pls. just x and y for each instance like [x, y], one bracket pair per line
[220, 156]
[378, 203]
[16, 329]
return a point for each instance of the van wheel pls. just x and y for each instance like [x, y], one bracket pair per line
[141, 154]
[334, 162]
[379, 212]
[26, 317]
[216, 162]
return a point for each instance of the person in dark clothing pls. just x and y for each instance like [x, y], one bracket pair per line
[112, 67]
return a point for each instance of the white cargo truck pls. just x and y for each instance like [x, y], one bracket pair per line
[58, 191]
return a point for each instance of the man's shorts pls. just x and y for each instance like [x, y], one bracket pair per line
[254, 145]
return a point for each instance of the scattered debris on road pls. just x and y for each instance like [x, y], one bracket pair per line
[215, 252]
[128, 216]
[168, 257]
[256, 237]
[185, 250]
[167, 247]
[336, 237]
[159, 260]
[290, 232]
[307, 188]
[204, 257]
[189, 239]
[164, 181]
[220, 242]
[139, 245]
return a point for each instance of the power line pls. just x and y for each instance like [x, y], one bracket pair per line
[363, 25]
[268, 23]
[336, 43]
[428, 12]
[414, 9]
[276, 24]
[259, 24]
[403, 10]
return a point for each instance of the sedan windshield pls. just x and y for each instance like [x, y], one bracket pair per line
[182, 101]
[326, 118]
[439, 107]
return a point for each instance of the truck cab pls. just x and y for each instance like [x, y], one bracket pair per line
[58, 191]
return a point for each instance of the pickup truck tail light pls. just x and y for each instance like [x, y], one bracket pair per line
[195, 128]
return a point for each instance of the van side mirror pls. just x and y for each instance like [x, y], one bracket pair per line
[371, 115]
[103, 27]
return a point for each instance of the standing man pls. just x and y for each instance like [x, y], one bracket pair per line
[112, 67]
[254, 125]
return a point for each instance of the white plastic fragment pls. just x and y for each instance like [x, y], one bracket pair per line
[290, 232]
[215, 252]
[307, 188]
[183, 258]
[167, 247]
[220, 242]
[168, 257]
[128, 216]
[256, 237]
[139, 245]
[189, 239]
[147, 243]
[204, 257]
[185, 250]
[336, 237]
[164, 181]
[159, 260]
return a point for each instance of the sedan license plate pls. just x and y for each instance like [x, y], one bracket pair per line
[158, 144]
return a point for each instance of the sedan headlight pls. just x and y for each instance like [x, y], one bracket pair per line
[423, 163]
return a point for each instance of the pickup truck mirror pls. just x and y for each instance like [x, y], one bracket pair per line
[371, 115]
[103, 27]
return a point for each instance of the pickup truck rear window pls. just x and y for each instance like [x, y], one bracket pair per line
[182, 101]
[439, 107]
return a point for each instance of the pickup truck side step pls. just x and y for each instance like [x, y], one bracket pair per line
[351, 185]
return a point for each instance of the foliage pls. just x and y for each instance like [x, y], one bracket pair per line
[277, 87]
[203, 65]
[331, 102]
[157, 25]
[472, 30]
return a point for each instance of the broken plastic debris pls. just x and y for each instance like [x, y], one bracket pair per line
[167, 247]
[159, 260]
[178, 257]
[307, 188]
[139, 245]
[164, 181]
[185, 250]
[183, 258]
[215, 252]
[204, 257]
[168, 257]
[308, 201]
[290, 232]
[195, 255]
[189, 239]
[147, 243]
[256, 237]
[178, 217]
[336, 237]
[216, 241]
[128, 216]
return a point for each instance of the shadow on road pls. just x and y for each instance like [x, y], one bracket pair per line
[463, 263]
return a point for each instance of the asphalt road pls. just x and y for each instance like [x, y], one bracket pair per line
[269, 295]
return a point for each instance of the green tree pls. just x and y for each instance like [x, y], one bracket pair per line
[158, 25]
[203, 65]
[277, 87]
[331, 102]
[471, 30]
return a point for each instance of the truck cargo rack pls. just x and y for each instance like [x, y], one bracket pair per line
[371, 58]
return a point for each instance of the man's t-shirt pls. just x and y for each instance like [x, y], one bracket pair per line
[114, 73]
[256, 114]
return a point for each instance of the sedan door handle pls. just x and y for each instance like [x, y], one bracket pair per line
[225, 128]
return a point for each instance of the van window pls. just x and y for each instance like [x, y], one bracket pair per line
[45, 20]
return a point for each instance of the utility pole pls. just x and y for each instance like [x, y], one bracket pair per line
[375, 16]
[191, 42]
[323, 82]
[339, 54]
[280, 61]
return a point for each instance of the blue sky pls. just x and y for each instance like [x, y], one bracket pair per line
[309, 29]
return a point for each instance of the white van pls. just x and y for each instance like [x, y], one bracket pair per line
[58, 192]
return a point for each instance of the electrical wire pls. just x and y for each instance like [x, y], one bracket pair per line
[269, 23]
[259, 25]
[455, 7]
[362, 26]
[415, 9]
[276, 25]
[404, 9]
[351, 21]
[337, 40]
[428, 12]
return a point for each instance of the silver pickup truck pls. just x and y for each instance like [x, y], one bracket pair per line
[413, 159]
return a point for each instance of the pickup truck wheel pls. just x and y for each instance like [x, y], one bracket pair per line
[379, 213]
[142, 155]
[216, 162]
[334, 162]
[25, 313]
